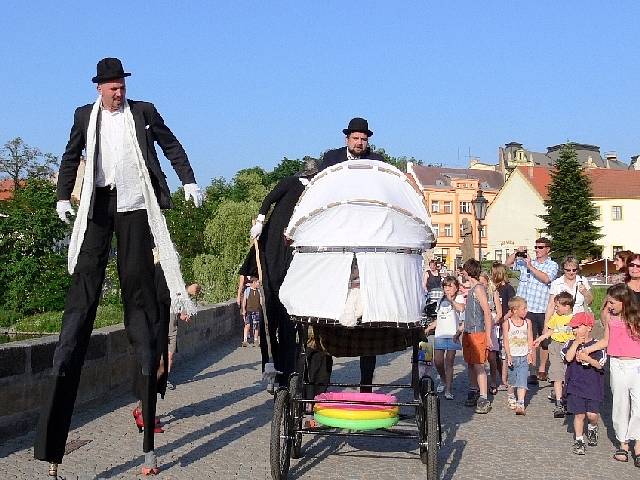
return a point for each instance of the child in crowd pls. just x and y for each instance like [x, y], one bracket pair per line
[518, 336]
[585, 380]
[446, 327]
[505, 292]
[558, 329]
[252, 312]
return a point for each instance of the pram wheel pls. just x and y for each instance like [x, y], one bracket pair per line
[295, 394]
[428, 418]
[281, 440]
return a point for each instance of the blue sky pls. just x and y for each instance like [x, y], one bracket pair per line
[246, 83]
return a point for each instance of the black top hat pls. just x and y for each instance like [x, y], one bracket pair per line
[358, 125]
[310, 168]
[109, 69]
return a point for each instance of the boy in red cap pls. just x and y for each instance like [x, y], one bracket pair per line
[584, 381]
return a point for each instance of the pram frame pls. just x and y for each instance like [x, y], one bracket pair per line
[289, 410]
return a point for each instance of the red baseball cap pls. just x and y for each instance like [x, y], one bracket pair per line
[582, 318]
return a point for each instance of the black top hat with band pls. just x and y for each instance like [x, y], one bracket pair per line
[358, 125]
[109, 69]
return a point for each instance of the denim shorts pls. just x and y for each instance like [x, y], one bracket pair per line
[447, 343]
[518, 372]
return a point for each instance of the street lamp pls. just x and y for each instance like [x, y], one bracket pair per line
[480, 205]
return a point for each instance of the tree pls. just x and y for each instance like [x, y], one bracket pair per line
[20, 161]
[33, 273]
[571, 215]
[286, 168]
[399, 162]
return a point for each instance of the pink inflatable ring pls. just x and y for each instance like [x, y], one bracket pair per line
[346, 397]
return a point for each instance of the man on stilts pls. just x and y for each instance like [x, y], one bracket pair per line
[123, 191]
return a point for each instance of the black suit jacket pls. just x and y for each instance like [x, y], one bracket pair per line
[150, 128]
[340, 155]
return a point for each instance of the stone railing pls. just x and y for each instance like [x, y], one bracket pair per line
[25, 366]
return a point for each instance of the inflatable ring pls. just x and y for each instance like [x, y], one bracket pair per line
[355, 424]
[357, 414]
[355, 396]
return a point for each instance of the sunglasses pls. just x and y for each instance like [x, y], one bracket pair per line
[574, 269]
[637, 265]
[540, 247]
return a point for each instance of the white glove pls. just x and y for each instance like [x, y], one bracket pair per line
[63, 207]
[256, 230]
[193, 190]
[269, 375]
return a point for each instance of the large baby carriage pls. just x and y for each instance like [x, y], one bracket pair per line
[354, 287]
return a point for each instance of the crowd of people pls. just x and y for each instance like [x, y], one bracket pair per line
[543, 331]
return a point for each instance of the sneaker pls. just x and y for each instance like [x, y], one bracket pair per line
[592, 436]
[532, 380]
[448, 395]
[578, 447]
[483, 405]
[245, 344]
[440, 388]
[472, 398]
[520, 409]
[559, 412]
[512, 402]
[552, 396]
[171, 385]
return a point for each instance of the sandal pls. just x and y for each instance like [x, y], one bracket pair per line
[621, 455]
[493, 390]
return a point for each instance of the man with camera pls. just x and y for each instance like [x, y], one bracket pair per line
[536, 275]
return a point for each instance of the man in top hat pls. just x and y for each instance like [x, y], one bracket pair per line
[123, 192]
[357, 145]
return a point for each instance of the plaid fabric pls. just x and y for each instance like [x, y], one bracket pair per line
[341, 341]
[533, 290]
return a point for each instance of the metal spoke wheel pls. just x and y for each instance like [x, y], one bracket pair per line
[297, 412]
[281, 441]
[428, 418]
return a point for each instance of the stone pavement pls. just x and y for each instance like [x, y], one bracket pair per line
[217, 425]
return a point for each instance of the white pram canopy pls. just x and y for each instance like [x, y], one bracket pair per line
[368, 209]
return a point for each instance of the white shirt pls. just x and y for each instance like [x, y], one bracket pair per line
[116, 165]
[559, 285]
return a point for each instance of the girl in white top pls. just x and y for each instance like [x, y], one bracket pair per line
[446, 326]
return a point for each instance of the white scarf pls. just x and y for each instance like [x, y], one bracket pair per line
[180, 301]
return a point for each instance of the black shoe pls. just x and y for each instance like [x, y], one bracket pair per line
[483, 406]
[578, 447]
[472, 398]
[559, 412]
[592, 436]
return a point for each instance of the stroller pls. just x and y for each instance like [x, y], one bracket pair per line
[354, 287]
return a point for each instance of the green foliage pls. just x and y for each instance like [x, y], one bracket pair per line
[399, 162]
[599, 293]
[571, 216]
[286, 168]
[111, 286]
[227, 242]
[51, 322]
[19, 161]
[8, 317]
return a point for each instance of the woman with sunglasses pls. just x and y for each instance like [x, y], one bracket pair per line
[632, 278]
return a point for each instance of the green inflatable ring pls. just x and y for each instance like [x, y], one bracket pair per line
[357, 414]
[355, 424]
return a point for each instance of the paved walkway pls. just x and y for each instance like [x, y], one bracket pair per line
[218, 426]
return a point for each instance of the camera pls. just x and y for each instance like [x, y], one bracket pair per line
[521, 254]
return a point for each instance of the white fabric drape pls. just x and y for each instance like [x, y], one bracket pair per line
[316, 284]
[390, 287]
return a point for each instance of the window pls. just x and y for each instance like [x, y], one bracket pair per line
[616, 249]
[447, 207]
[465, 207]
[616, 212]
[436, 229]
[461, 229]
[435, 206]
[498, 256]
[598, 212]
[448, 230]
[506, 253]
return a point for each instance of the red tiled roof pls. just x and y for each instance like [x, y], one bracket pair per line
[605, 183]
[430, 175]
[6, 189]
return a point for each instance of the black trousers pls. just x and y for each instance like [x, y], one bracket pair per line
[141, 318]
[320, 366]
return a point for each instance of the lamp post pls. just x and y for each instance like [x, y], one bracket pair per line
[480, 205]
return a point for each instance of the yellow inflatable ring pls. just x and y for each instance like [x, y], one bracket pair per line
[356, 424]
[358, 414]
